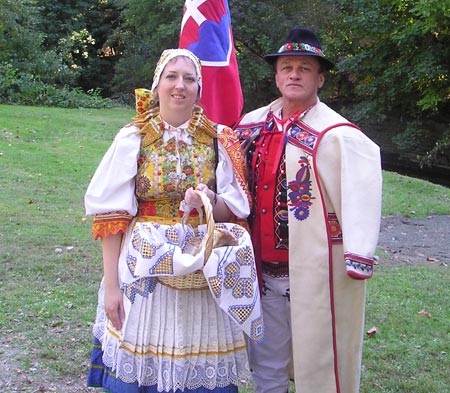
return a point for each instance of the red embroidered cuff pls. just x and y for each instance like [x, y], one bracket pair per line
[110, 223]
[358, 267]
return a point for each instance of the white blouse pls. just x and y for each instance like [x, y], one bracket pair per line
[113, 184]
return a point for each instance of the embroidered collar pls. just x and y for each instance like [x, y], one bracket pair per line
[285, 123]
[151, 126]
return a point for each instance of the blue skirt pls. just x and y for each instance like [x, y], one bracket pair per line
[100, 376]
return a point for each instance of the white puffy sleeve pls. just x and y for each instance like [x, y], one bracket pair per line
[112, 187]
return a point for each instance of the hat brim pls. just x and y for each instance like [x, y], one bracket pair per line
[271, 58]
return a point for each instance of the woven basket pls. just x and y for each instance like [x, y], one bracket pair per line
[195, 280]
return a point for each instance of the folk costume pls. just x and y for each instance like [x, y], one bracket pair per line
[316, 180]
[171, 339]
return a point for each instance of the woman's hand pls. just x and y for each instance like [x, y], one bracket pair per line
[194, 200]
[113, 298]
[114, 308]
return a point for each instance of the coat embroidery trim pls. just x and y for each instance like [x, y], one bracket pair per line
[334, 228]
[305, 138]
[300, 195]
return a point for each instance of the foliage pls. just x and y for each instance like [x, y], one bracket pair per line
[397, 63]
[150, 26]
[82, 34]
[18, 36]
[440, 150]
[76, 98]
[264, 33]
[24, 88]
[21, 44]
[392, 55]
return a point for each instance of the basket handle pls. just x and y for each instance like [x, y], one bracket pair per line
[208, 239]
[210, 225]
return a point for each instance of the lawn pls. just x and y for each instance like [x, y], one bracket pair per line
[50, 267]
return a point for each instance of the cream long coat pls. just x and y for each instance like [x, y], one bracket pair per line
[326, 270]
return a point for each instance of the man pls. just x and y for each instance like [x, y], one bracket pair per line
[316, 185]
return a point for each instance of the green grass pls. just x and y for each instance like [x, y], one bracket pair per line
[50, 267]
[411, 197]
[410, 352]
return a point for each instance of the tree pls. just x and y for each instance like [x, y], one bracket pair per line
[397, 65]
[259, 28]
[82, 33]
[24, 62]
[150, 26]
[20, 41]
[154, 25]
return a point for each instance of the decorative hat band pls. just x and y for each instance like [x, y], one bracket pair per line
[301, 47]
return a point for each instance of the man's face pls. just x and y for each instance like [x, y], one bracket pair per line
[299, 78]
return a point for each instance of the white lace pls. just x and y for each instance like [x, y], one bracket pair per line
[170, 344]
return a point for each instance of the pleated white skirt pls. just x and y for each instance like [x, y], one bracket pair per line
[173, 339]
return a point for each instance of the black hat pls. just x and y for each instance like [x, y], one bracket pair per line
[301, 42]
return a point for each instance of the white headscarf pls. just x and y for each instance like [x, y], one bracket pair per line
[170, 54]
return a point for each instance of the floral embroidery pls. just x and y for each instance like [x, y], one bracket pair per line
[246, 133]
[300, 47]
[300, 195]
[170, 168]
[143, 185]
[306, 139]
[188, 170]
[334, 228]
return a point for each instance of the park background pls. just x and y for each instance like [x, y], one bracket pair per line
[68, 70]
[392, 56]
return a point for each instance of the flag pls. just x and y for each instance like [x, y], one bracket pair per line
[206, 31]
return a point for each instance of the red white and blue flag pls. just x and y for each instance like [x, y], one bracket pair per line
[206, 31]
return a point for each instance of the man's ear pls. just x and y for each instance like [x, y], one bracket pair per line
[321, 79]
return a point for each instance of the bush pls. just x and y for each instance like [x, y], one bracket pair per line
[18, 87]
[67, 97]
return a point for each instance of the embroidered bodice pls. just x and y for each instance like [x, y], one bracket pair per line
[167, 168]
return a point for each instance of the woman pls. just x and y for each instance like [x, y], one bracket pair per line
[150, 337]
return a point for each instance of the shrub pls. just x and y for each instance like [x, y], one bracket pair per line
[18, 87]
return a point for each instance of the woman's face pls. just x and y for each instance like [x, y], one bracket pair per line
[178, 87]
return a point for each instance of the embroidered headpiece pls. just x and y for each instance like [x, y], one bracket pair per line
[170, 54]
[301, 42]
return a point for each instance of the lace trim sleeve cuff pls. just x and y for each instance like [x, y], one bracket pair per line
[110, 223]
